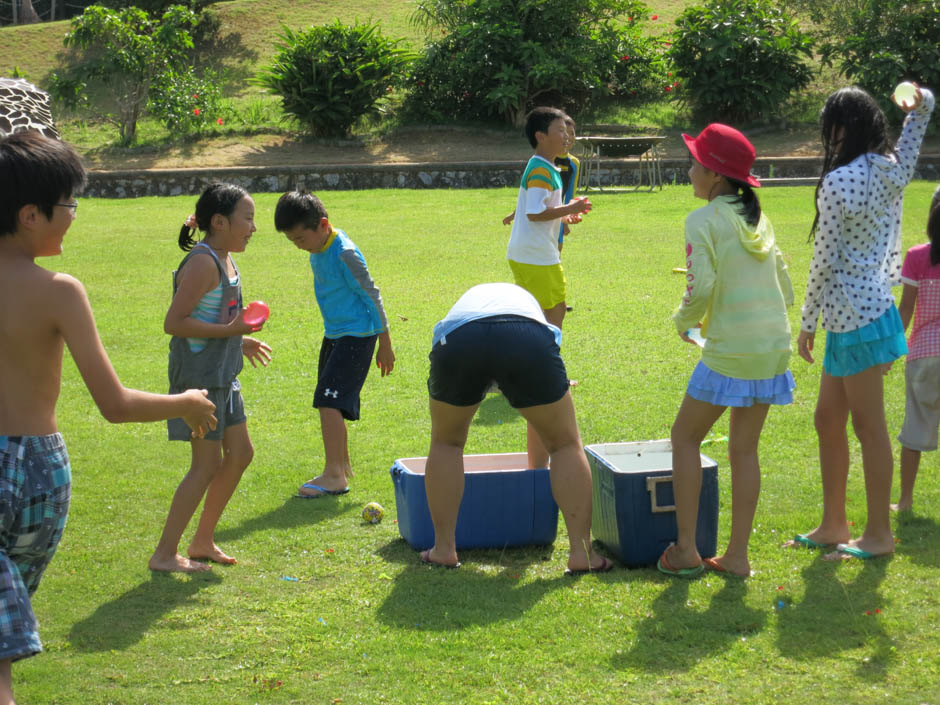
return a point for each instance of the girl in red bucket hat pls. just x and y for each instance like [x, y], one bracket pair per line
[736, 299]
[856, 261]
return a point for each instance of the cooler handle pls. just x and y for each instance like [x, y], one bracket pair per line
[651, 483]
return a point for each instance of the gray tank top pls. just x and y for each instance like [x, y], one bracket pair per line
[218, 364]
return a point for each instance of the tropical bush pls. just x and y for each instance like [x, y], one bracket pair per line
[881, 42]
[739, 60]
[186, 102]
[125, 51]
[499, 58]
[330, 76]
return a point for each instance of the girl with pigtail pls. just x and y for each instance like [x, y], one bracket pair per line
[737, 294]
[209, 339]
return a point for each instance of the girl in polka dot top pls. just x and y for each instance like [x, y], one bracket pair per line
[856, 261]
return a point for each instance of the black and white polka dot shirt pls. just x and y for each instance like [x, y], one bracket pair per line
[857, 252]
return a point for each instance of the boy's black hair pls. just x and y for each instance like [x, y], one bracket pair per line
[933, 227]
[538, 121]
[36, 170]
[864, 130]
[298, 208]
[217, 198]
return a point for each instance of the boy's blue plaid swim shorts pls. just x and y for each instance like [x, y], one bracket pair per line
[35, 488]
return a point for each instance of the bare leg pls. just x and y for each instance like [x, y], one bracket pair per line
[570, 476]
[336, 466]
[746, 425]
[556, 314]
[910, 463]
[831, 417]
[538, 456]
[443, 476]
[237, 453]
[206, 462]
[6, 683]
[693, 422]
[864, 392]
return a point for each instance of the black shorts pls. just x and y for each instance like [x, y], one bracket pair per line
[517, 353]
[342, 370]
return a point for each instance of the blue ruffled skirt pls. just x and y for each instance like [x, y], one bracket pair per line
[877, 343]
[714, 388]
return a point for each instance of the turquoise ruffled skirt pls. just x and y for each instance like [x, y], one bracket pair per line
[877, 343]
[714, 388]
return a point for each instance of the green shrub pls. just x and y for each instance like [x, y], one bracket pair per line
[739, 60]
[328, 77]
[500, 58]
[640, 70]
[884, 41]
[185, 102]
[125, 51]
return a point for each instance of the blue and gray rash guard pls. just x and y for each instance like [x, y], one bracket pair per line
[349, 301]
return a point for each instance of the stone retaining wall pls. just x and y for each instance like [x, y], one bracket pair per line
[334, 177]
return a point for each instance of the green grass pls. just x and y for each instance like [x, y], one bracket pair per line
[366, 623]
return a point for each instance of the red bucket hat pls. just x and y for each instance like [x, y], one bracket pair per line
[725, 151]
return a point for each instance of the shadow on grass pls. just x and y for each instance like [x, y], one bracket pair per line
[917, 538]
[495, 410]
[295, 512]
[436, 599]
[512, 561]
[122, 622]
[834, 617]
[674, 638]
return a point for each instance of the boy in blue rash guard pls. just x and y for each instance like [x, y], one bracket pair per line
[353, 320]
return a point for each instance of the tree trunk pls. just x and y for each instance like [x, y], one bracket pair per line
[28, 13]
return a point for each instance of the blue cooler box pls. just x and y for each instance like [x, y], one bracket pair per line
[503, 503]
[634, 511]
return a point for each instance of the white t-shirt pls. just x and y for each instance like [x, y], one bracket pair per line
[485, 300]
[536, 242]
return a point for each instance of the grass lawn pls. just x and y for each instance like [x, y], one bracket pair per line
[364, 622]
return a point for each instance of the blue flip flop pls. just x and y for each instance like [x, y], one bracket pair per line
[855, 552]
[805, 540]
[322, 490]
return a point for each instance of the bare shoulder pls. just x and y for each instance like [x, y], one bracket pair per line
[65, 293]
[199, 271]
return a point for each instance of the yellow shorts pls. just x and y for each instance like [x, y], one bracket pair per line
[546, 282]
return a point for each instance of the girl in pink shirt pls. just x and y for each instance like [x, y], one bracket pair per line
[921, 301]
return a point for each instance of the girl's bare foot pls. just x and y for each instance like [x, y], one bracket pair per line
[819, 537]
[723, 564]
[863, 548]
[680, 559]
[212, 553]
[176, 564]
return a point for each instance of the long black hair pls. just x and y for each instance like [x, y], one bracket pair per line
[864, 131]
[933, 227]
[217, 198]
[747, 197]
